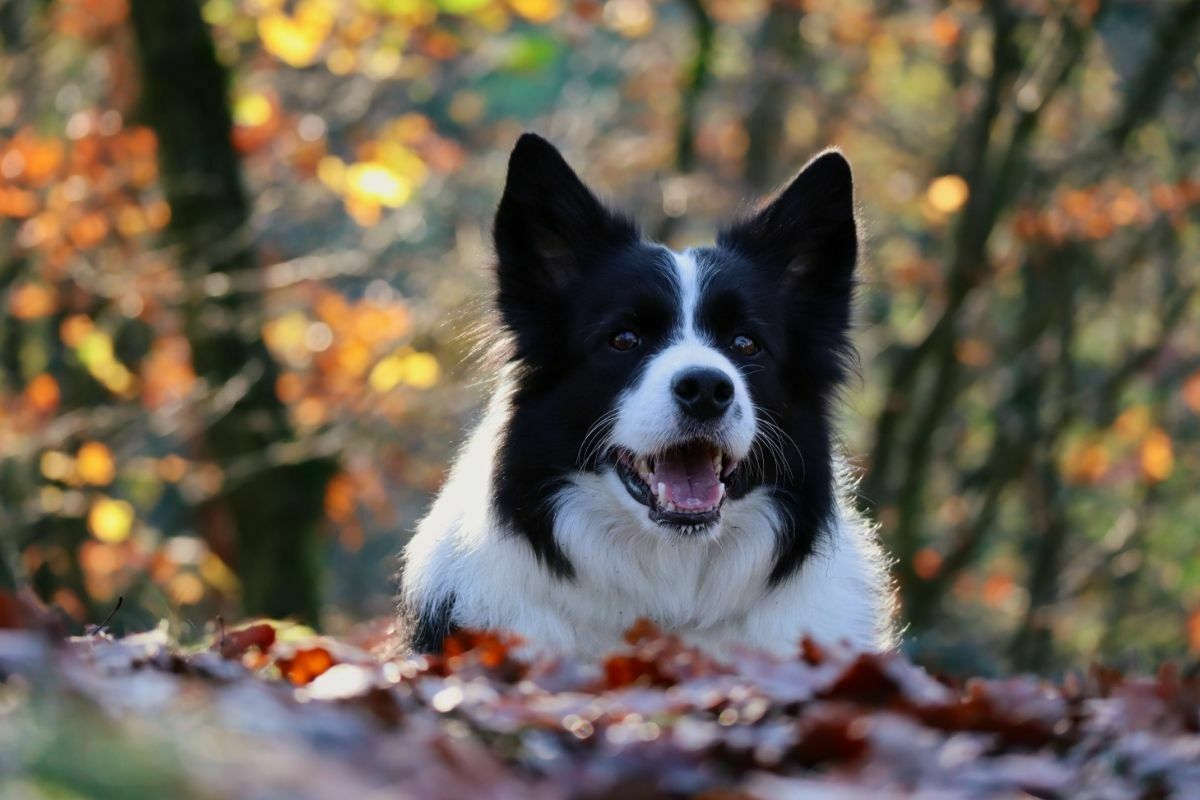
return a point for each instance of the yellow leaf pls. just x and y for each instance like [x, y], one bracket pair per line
[418, 370]
[293, 41]
[537, 10]
[421, 370]
[285, 335]
[252, 110]
[110, 520]
[371, 180]
[403, 162]
[387, 374]
[218, 574]
[331, 171]
[948, 193]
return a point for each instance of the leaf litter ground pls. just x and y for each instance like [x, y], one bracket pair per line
[269, 711]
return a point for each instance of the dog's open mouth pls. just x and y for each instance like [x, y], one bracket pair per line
[683, 486]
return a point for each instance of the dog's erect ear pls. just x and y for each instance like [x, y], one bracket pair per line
[548, 228]
[807, 231]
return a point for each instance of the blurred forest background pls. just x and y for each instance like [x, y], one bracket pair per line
[240, 241]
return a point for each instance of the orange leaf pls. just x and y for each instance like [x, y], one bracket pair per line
[42, 394]
[927, 563]
[305, 665]
[1158, 456]
[1191, 392]
[95, 465]
[32, 301]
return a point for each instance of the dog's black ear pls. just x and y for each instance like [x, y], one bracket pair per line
[548, 229]
[807, 231]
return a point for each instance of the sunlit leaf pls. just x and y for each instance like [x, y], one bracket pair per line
[32, 300]
[42, 394]
[110, 520]
[419, 370]
[537, 10]
[295, 40]
[948, 193]
[94, 464]
[306, 664]
[1191, 392]
[1157, 455]
[376, 182]
[252, 109]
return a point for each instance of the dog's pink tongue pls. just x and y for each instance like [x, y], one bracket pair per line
[691, 482]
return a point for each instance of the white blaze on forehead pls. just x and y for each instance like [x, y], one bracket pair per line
[688, 275]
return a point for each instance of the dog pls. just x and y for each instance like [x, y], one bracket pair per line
[659, 443]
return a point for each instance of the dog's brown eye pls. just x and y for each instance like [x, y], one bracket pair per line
[744, 345]
[624, 341]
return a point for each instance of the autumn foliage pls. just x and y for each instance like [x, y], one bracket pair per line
[268, 709]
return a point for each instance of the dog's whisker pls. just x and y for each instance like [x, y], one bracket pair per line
[594, 440]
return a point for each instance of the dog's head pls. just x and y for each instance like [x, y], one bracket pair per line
[686, 381]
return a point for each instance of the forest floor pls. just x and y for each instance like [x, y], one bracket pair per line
[271, 710]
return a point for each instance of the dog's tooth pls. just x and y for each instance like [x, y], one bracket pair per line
[643, 469]
[720, 492]
[662, 494]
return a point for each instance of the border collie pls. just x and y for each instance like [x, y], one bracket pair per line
[659, 444]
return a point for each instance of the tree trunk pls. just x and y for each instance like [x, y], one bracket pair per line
[276, 510]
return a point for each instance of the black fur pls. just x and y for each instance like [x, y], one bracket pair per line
[428, 630]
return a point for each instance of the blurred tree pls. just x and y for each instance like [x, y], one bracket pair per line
[274, 490]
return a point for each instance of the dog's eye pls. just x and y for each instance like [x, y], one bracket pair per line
[744, 345]
[624, 341]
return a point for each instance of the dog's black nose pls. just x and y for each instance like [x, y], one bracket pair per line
[703, 392]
